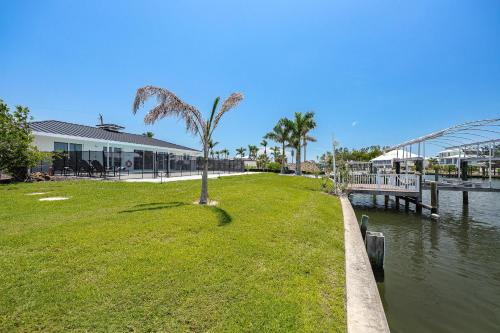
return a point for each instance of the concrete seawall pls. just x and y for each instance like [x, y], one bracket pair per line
[365, 312]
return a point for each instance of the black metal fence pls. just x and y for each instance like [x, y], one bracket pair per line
[137, 164]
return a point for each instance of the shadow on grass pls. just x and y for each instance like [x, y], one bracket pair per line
[222, 216]
[154, 206]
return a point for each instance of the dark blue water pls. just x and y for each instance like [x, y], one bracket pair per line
[440, 276]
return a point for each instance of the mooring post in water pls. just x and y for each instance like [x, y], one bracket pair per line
[465, 197]
[434, 197]
[419, 165]
[407, 204]
[375, 248]
[386, 200]
[397, 202]
[364, 225]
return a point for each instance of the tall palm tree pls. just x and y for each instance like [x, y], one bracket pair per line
[225, 152]
[280, 134]
[299, 127]
[263, 143]
[168, 104]
[310, 125]
[241, 151]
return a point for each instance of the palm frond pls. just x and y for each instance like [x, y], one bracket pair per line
[232, 101]
[168, 105]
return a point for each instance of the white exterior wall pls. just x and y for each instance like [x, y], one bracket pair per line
[45, 142]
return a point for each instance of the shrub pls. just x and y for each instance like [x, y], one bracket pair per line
[17, 153]
[274, 166]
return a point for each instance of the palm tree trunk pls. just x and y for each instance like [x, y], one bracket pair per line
[305, 145]
[283, 159]
[298, 171]
[204, 177]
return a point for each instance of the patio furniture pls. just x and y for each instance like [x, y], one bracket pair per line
[97, 167]
[85, 167]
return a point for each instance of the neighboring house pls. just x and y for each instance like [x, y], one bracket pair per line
[386, 161]
[451, 156]
[106, 141]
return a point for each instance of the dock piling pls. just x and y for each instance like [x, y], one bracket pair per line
[434, 197]
[375, 248]
[364, 225]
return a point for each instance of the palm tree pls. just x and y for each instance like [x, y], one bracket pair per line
[311, 124]
[218, 154]
[299, 127]
[171, 105]
[211, 146]
[280, 134]
[305, 139]
[252, 151]
[263, 143]
[148, 134]
[276, 153]
[241, 151]
[225, 152]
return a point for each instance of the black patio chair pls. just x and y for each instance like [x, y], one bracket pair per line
[97, 166]
[84, 166]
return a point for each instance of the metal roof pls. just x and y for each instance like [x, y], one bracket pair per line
[64, 128]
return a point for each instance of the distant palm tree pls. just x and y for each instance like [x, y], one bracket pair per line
[252, 151]
[263, 143]
[276, 153]
[171, 105]
[299, 127]
[148, 134]
[218, 154]
[241, 151]
[211, 146]
[225, 152]
[280, 134]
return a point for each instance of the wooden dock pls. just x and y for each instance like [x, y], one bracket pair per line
[409, 187]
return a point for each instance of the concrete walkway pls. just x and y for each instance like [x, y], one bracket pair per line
[193, 177]
[365, 312]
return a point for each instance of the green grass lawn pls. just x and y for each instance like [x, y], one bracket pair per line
[142, 257]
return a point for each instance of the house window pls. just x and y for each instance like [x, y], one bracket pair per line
[60, 147]
[75, 147]
[138, 159]
[117, 157]
[148, 160]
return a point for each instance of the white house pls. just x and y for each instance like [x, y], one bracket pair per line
[451, 156]
[105, 143]
[386, 161]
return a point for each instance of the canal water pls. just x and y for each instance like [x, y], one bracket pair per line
[440, 276]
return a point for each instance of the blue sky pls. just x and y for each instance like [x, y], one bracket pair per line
[375, 72]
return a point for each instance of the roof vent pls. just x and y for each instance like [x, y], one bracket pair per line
[110, 127]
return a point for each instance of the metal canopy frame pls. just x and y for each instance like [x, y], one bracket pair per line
[489, 129]
[480, 135]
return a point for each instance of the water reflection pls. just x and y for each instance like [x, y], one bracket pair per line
[444, 275]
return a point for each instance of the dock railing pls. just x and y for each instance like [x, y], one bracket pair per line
[384, 181]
